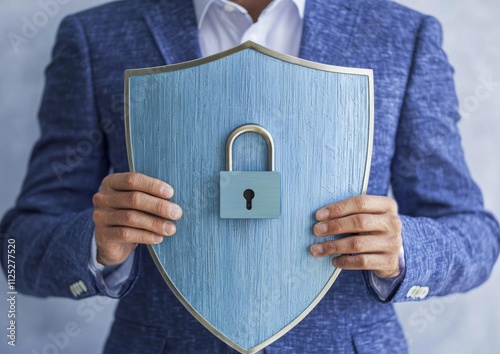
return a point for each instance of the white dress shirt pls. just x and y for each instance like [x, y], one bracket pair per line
[223, 24]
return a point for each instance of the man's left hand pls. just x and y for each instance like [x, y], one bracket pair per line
[376, 240]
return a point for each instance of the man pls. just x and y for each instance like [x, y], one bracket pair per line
[76, 240]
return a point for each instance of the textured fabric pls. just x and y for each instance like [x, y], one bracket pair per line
[450, 241]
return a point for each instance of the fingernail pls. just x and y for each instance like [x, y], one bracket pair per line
[176, 213]
[316, 249]
[167, 192]
[320, 229]
[157, 239]
[322, 214]
[169, 229]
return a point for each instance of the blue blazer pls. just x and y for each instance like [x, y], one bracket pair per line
[450, 241]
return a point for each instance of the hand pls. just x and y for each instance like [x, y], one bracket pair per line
[376, 242]
[131, 208]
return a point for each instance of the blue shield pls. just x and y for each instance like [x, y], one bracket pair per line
[249, 281]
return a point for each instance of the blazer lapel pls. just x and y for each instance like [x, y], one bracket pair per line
[327, 28]
[173, 25]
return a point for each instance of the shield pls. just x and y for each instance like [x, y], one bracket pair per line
[249, 281]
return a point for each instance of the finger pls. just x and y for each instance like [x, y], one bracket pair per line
[138, 182]
[383, 264]
[121, 234]
[140, 220]
[146, 203]
[352, 244]
[365, 223]
[368, 204]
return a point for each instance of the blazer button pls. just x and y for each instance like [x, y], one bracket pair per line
[423, 292]
[413, 292]
[78, 288]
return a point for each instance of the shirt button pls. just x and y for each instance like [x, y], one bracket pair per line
[228, 8]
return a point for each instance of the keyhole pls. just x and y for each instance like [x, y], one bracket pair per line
[248, 195]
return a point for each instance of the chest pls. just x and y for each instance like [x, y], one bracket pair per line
[390, 77]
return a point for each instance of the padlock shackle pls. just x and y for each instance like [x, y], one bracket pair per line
[250, 128]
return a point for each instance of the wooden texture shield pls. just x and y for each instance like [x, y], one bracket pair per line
[249, 281]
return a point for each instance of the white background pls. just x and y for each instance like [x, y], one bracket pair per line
[466, 323]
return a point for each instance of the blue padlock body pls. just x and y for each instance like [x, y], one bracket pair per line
[266, 203]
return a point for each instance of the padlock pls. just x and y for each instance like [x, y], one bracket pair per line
[250, 194]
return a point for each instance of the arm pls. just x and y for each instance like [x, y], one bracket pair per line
[450, 242]
[59, 211]
[52, 220]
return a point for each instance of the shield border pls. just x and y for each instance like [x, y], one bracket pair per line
[298, 61]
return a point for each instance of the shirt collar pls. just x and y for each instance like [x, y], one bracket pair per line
[200, 7]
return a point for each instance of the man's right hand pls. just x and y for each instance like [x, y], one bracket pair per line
[131, 208]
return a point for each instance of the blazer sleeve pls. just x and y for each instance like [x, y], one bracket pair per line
[51, 222]
[451, 243]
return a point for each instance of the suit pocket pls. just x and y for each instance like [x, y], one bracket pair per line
[133, 338]
[384, 337]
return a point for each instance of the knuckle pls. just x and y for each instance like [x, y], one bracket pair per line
[357, 245]
[107, 180]
[361, 202]
[329, 247]
[395, 223]
[361, 261]
[98, 215]
[130, 217]
[333, 227]
[131, 179]
[161, 208]
[99, 231]
[336, 209]
[97, 199]
[394, 263]
[154, 184]
[157, 225]
[396, 242]
[124, 234]
[360, 222]
[393, 206]
[392, 243]
[134, 199]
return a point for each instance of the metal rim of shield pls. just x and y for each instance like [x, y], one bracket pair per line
[313, 65]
